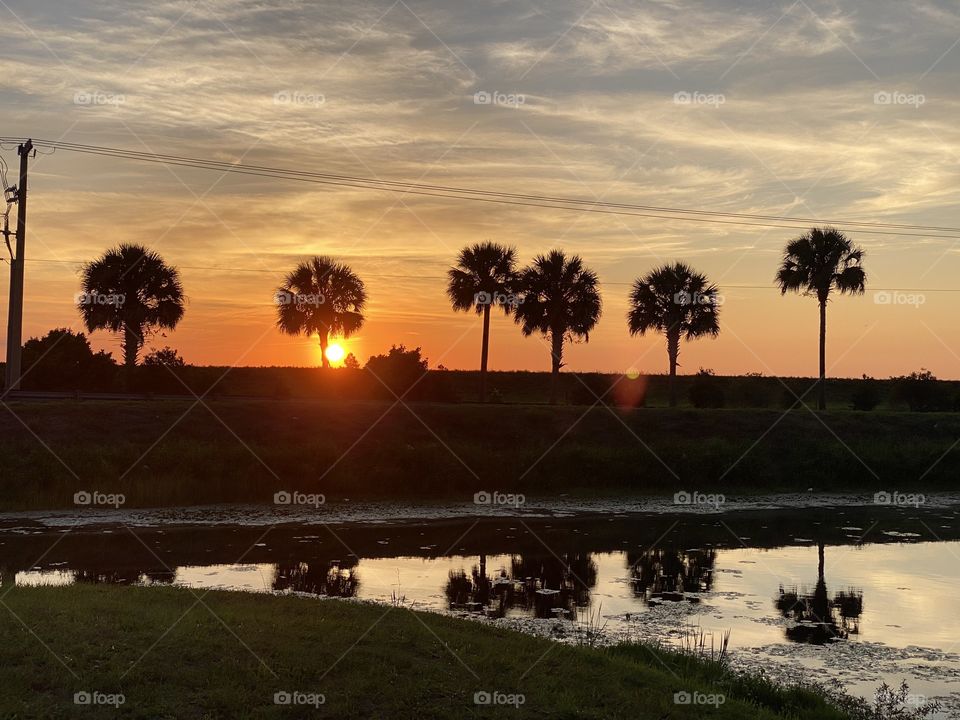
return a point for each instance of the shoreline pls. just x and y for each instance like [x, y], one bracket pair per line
[388, 511]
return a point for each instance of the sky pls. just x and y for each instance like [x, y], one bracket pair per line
[823, 110]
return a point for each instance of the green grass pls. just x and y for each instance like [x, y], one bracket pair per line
[226, 656]
[162, 453]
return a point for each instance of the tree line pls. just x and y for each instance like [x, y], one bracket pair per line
[558, 296]
[132, 292]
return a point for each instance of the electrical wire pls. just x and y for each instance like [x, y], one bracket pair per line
[520, 199]
[434, 278]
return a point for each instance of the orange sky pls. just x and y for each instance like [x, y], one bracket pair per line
[795, 128]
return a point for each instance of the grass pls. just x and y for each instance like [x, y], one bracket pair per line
[162, 453]
[228, 654]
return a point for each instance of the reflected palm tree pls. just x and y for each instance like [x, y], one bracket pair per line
[541, 586]
[817, 617]
[120, 576]
[330, 579]
[670, 574]
[159, 577]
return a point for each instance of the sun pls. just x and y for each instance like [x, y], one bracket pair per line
[335, 352]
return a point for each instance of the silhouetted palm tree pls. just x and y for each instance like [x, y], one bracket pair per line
[130, 290]
[678, 302]
[321, 296]
[560, 299]
[820, 619]
[484, 276]
[816, 263]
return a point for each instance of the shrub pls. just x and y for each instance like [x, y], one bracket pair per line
[705, 390]
[755, 390]
[920, 391]
[866, 396]
[399, 370]
[63, 360]
[165, 356]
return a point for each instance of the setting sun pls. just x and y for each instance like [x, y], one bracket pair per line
[335, 353]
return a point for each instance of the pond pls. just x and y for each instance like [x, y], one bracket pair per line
[862, 594]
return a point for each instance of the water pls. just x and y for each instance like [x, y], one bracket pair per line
[861, 594]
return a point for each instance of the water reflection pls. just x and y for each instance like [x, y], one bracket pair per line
[698, 567]
[539, 585]
[816, 617]
[669, 574]
[334, 579]
[123, 576]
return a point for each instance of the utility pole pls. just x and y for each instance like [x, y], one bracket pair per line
[15, 317]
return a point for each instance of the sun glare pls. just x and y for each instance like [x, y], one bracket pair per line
[335, 352]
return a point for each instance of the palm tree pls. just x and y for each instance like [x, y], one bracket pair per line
[130, 290]
[484, 276]
[816, 263]
[678, 302]
[560, 299]
[321, 296]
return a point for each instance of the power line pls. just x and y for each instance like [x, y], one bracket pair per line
[400, 276]
[519, 199]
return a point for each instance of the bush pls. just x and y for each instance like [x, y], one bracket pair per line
[921, 392]
[756, 391]
[165, 356]
[866, 396]
[62, 360]
[399, 370]
[705, 390]
[589, 389]
[162, 372]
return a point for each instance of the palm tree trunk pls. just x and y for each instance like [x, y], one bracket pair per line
[324, 341]
[556, 354]
[484, 350]
[822, 400]
[131, 346]
[820, 558]
[673, 350]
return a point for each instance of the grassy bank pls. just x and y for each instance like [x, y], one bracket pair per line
[175, 453]
[753, 390]
[227, 656]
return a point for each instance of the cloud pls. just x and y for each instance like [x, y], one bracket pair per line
[374, 89]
